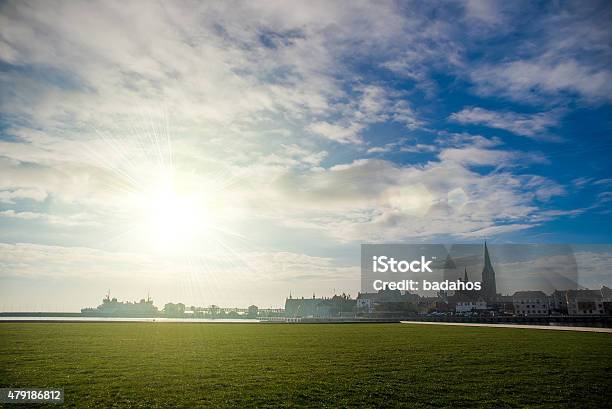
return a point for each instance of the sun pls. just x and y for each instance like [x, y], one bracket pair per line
[175, 221]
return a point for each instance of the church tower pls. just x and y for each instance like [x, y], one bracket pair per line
[489, 288]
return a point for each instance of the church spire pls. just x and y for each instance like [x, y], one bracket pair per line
[489, 288]
[487, 258]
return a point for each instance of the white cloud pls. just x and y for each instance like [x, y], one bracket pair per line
[603, 182]
[530, 125]
[358, 201]
[527, 80]
[78, 219]
[9, 196]
[245, 92]
[486, 11]
[478, 156]
[561, 57]
[338, 133]
[36, 260]
[246, 70]
[402, 145]
[372, 105]
[450, 139]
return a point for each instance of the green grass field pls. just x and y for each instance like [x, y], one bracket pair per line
[330, 365]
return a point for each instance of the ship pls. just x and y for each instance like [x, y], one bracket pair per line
[111, 307]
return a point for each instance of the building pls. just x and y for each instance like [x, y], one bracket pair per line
[302, 307]
[558, 302]
[386, 300]
[606, 298]
[431, 304]
[530, 303]
[585, 302]
[463, 307]
[467, 295]
[252, 311]
[174, 310]
[336, 306]
[471, 300]
[504, 305]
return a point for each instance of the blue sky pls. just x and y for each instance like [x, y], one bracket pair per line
[230, 152]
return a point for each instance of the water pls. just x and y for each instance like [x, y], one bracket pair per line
[120, 319]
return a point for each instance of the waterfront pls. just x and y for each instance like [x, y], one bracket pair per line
[122, 319]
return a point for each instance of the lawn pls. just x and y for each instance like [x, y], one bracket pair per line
[167, 365]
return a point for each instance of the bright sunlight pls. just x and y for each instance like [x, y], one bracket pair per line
[174, 220]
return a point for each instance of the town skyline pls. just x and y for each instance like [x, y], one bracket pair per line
[482, 301]
[551, 272]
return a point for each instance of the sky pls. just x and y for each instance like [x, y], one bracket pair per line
[232, 152]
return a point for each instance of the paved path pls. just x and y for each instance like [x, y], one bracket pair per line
[555, 327]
